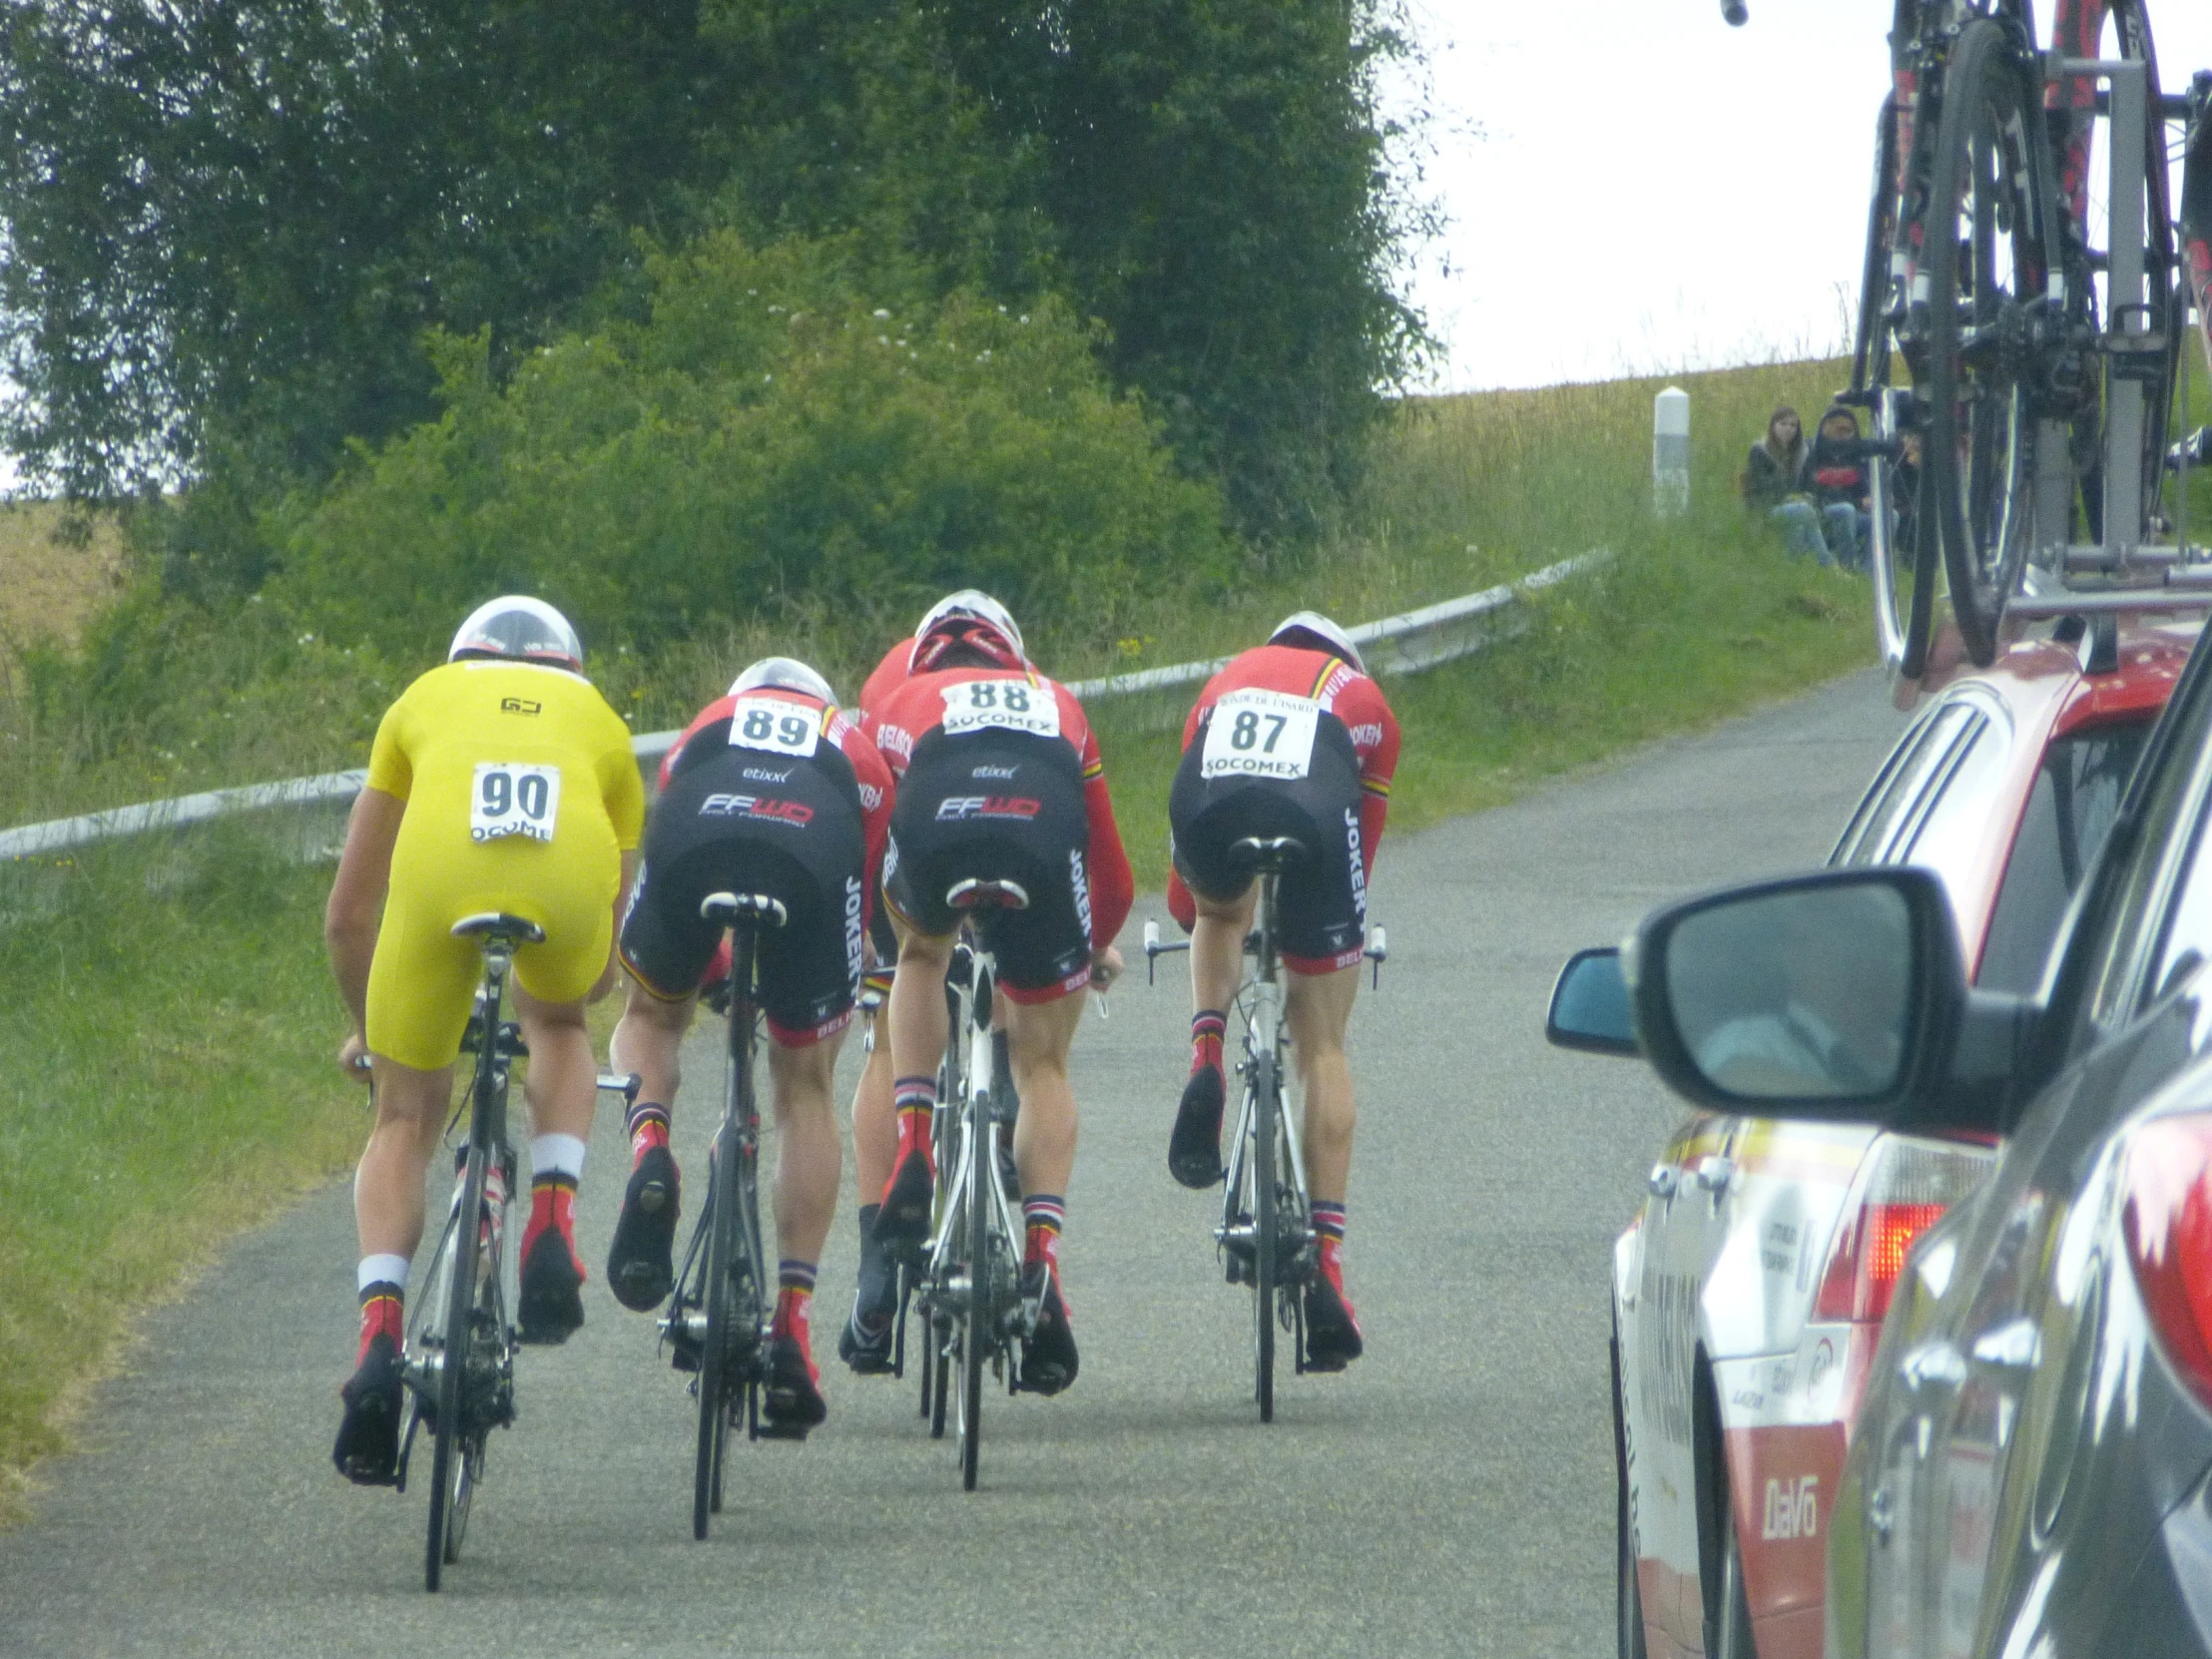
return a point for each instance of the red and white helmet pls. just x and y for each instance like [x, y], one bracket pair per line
[1315, 632]
[1000, 645]
[517, 628]
[973, 602]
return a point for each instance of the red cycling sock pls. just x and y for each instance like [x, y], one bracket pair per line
[384, 1314]
[553, 1204]
[915, 1101]
[1208, 1027]
[648, 1129]
[1045, 1214]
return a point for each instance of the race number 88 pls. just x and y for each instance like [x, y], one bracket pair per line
[512, 799]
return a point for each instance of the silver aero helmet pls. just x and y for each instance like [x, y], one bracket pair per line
[1319, 633]
[519, 629]
[976, 603]
[785, 674]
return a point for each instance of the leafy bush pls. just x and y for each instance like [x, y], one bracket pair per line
[770, 442]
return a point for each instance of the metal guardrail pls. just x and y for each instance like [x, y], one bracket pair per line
[1403, 644]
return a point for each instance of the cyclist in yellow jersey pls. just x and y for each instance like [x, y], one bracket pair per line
[500, 782]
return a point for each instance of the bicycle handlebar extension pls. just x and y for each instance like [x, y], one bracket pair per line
[1736, 13]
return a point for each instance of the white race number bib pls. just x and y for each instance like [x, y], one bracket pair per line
[779, 727]
[514, 799]
[1259, 734]
[1012, 704]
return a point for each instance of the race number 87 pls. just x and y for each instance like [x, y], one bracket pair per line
[1246, 732]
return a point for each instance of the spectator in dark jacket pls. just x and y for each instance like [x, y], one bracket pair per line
[1772, 485]
[1835, 474]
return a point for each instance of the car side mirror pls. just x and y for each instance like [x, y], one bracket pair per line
[1837, 995]
[1589, 1005]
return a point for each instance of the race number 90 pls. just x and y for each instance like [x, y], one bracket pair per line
[513, 799]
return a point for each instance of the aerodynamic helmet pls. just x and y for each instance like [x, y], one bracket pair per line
[1311, 629]
[787, 673]
[973, 602]
[956, 630]
[519, 629]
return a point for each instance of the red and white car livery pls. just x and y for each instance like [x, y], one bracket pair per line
[1748, 1294]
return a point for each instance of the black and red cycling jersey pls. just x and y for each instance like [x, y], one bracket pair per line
[1340, 690]
[877, 787]
[915, 707]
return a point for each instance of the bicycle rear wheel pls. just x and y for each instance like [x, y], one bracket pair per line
[975, 1324]
[1991, 222]
[713, 1382]
[1266, 1266]
[448, 1460]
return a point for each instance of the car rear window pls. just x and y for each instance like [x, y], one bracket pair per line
[2077, 792]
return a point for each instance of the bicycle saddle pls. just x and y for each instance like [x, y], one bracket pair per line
[726, 909]
[497, 924]
[1269, 852]
[974, 894]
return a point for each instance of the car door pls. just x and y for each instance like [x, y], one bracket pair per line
[1930, 1476]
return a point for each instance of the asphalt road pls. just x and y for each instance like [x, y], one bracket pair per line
[1452, 1494]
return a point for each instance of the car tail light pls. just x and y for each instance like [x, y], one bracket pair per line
[2168, 1223]
[1906, 1191]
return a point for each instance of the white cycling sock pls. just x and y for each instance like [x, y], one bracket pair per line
[382, 1269]
[557, 1155]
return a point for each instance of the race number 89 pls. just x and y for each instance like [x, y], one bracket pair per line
[779, 726]
[513, 799]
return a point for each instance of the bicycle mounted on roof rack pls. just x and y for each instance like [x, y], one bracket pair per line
[2040, 406]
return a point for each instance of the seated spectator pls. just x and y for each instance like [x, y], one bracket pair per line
[1835, 474]
[1769, 484]
[1904, 498]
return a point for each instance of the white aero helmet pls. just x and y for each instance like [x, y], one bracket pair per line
[785, 672]
[519, 629]
[1320, 632]
[976, 603]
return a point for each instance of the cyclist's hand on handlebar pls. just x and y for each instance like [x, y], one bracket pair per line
[353, 1057]
[1106, 966]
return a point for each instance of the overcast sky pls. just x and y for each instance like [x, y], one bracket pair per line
[1636, 188]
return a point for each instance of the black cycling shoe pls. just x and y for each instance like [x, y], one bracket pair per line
[368, 1450]
[1333, 1339]
[551, 1306]
[864, 1345]
[1194, 1150]
[639, 1268]
[1048, 1361]
[903, 1221]
[791, 1404]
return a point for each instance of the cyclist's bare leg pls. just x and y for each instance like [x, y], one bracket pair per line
[1318, 1009]
[874, 1120]
[563, 1081]
[387, 1185]
[808, 1159]
[1038, 1036]
[1217, 948]
[917, 1003]
[649, 1040]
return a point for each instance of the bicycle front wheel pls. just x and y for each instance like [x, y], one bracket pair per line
[1989, 247]
[1267, 1232]
[449, 1461]
[713, 1382]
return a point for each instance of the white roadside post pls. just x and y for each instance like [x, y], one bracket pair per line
[1670, 453]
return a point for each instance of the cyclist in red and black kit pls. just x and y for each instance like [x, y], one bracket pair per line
[771, 790]
[865, 1342]
[1327, 785]
[999, 778]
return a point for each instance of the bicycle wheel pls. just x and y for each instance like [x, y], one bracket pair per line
[975, 1324]
[1266, 1228]
[448, 1471]
[1989, 222]
[713, 1355]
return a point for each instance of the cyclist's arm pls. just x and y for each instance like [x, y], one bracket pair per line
[1113, 885]
[357, 895]
[613, 969]
[1375, 738]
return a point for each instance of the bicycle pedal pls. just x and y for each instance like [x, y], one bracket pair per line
[773, 1429]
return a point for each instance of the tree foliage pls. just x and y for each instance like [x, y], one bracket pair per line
[769, 441]
[231, 227]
